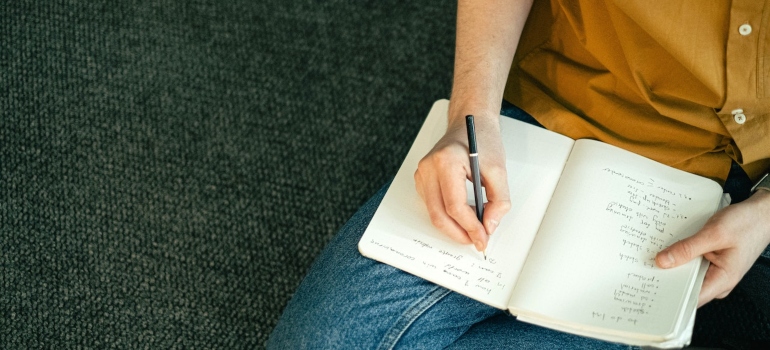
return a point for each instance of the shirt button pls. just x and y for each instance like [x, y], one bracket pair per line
[744, 29]
[738, 116]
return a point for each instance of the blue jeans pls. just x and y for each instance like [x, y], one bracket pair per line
[348, 301]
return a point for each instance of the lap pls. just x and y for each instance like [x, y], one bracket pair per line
[349, 301]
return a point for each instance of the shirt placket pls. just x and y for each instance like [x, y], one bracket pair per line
[742, 105]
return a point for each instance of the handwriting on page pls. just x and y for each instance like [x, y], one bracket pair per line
[644, 211]
[471, 273]
[647, 214]
[633, 298]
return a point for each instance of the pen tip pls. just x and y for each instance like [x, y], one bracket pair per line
[485, 255]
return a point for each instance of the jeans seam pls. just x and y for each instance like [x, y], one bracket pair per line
[394, 334]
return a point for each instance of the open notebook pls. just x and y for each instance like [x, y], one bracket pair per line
[576, 251]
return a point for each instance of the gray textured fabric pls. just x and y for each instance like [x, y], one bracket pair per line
[170, 169]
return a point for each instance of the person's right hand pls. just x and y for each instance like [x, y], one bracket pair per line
[441, 174]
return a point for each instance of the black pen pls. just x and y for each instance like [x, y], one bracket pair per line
[475, 172]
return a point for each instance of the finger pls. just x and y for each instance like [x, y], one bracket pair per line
[455, 196]
[716, 284]
[431, 195]
[498, 197]
[686, 250]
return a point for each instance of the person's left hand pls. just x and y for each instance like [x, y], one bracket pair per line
[731, 240]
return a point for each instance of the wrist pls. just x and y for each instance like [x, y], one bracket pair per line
[762, 194]
[761, 198]
[482, 111]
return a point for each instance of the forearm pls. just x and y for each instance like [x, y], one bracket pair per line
[488, 32]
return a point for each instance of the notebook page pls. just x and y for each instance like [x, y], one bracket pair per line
[592, 264]
[402, 235]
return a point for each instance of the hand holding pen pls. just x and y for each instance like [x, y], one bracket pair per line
[441, 176]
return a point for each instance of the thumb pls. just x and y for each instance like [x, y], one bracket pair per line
[685, 250]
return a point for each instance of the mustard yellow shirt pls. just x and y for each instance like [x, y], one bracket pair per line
[686, 83]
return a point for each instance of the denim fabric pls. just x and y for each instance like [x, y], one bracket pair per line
[351, 302]
[348, 301]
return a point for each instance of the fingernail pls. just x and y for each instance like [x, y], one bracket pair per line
[492, 226]
[667, 260]
[478, 245]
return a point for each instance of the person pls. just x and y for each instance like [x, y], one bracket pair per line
[685, 83]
